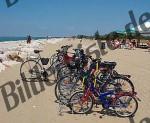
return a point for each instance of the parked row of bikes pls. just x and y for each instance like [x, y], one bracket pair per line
[83, 81]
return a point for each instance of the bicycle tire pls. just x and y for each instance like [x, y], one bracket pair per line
[88, 110]
[133, 113]
[132, 88]
[22, 74]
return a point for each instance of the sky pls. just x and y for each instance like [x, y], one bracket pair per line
[68, 17]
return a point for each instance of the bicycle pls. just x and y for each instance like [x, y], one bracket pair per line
[111, 79]
[33, 69]
[82, 102]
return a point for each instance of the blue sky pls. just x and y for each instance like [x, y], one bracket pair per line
[67, 17]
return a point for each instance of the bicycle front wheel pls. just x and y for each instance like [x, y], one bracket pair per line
[30, 71]
[79, 105]
[126, 106]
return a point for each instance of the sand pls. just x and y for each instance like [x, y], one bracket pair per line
[42, 108]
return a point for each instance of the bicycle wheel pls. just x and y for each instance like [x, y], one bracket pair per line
[121, 83]
[58, 66]
[53, 59]
[125, 83]
[79, 105]
[57, 93]
[55, 66]
[65, 87]
[30, 70]
[126, 106]
[63, 72]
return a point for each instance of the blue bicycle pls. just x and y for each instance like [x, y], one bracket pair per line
[124, 104]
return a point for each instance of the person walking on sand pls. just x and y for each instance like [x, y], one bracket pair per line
[134, 44]
[29, 39]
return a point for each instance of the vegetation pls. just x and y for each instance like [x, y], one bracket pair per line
[96, 35]
[115, 35]
[83, 36]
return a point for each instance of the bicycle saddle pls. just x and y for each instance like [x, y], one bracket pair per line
[58, 51]
[97, 60]
[110, 64]
[37, 51]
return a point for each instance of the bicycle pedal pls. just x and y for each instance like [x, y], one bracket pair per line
[45, 74]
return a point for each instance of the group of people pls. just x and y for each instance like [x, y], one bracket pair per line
[128, 44]
[124, 44]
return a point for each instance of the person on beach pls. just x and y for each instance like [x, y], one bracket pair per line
[113, 43]
[117, 43]
[134, 44]
[148, 43]
[47, 37]
[29, 39]
[123, 43]
[126, 44]
[130, 45]
[119, 40]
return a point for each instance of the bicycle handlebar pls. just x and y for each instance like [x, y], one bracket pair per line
[94, 60]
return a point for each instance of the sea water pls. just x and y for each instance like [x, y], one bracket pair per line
[4, 39]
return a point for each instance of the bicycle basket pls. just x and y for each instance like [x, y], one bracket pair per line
[44, 61]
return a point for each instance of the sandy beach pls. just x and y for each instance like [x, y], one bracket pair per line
[42, 108]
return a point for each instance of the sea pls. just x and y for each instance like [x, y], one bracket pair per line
[7, 39]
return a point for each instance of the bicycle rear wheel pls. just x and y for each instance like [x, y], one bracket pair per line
[63, 72]
[65, 87]
[125, 83]
[121, 83]
[30, 71]
[68, 85]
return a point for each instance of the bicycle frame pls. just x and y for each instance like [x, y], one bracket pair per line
[91, 91]
[38, 60]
